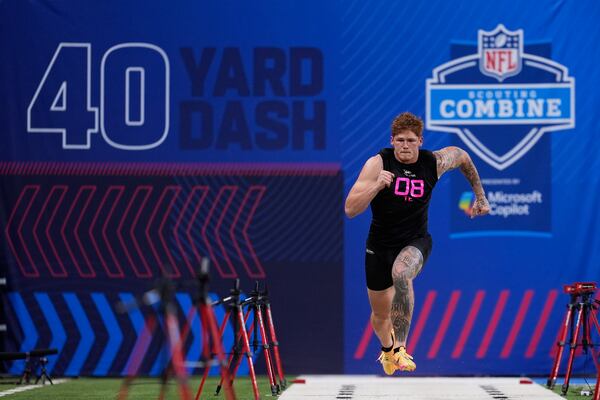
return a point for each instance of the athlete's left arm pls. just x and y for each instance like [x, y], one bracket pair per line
[454, 157]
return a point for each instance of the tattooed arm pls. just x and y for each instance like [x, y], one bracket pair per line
[454, 157]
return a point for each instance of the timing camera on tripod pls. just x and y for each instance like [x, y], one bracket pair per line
[34, 360]
[581, 315]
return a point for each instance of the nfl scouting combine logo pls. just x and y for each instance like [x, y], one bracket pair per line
[501, 100]
[499, 94]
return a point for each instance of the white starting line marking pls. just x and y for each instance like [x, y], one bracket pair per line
[25, 388]
[346, 387]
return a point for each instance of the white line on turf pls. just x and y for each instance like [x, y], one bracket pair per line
[25, 388]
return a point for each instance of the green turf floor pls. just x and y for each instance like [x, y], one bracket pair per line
[143, 388]
[574, 392]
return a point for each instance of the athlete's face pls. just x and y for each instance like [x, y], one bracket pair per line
[406, 146]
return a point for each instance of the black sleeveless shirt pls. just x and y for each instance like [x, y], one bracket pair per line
[400, 211]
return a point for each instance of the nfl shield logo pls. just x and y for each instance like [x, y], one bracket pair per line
[500, 52]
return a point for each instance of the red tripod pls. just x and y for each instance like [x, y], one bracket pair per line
[168, 321]
[211, 337]
[241, 341]
[581, 313]
[264, 299]
[258, 304]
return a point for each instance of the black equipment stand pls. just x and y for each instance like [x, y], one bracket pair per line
[43, 376]
[33, 359]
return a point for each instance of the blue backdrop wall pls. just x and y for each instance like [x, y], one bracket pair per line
[138, 139]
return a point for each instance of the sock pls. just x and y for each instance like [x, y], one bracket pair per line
[386, 349]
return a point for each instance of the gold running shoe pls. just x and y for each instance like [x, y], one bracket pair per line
[404, 361]
[387, 358]
[388, 362]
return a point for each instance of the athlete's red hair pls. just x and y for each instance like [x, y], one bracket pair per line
[407, 121]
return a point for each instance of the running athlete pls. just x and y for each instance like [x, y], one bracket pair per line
[397, 183]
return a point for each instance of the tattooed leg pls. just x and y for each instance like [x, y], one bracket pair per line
[406, 267]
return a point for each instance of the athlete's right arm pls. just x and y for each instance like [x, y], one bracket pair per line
[371, 180]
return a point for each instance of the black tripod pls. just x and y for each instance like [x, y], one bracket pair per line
[33, 359]
[43, 376]
[31, 367]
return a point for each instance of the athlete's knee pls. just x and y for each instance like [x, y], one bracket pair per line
[400, 273]
[378, 316]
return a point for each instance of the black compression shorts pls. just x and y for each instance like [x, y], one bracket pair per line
[379, 261]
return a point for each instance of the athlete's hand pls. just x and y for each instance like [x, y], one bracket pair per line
[384, 179]
[480, 207]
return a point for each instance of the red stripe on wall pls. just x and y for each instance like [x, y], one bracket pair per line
[516, 326]
[541, 325]
[554, 348]
[423, 317]
[364, 341]
[466, 331]
[441, 333]
[491, 328]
